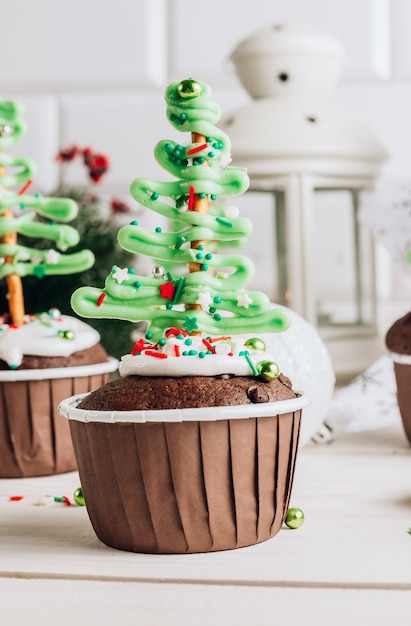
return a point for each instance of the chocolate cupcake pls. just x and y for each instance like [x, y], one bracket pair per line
[398, 342]
[197, 442]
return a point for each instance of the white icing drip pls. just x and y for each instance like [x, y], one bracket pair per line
[39, 336]
[193, 365]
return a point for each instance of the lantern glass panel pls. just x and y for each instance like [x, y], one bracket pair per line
[343, 261]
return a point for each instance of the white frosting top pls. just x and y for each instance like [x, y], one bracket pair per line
[183, 355]
[45, 334]
[403, 359]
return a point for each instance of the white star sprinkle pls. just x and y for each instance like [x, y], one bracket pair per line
[52, 257]
[120, 274]
[244, 300]
[204, 299]
[225, 160]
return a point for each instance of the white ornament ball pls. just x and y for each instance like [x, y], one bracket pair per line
[302, 356]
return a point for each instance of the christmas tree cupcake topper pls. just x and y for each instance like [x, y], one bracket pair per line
[210, 298]
[16, 260]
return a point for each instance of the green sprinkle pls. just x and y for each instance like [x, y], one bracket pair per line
[185, 352]
[204, 267]
[225, 222]
[158, 229]
[217, 316]
[134, 223]
[37, 195]
[213, 196]
[169, 306]
[209, 139]
[131, 270]
[179, 288]
[208, 256]
[251, 364]
[22, 206]
[202, 355]
[212, 309]
[200, 247]
[149, 335]
[217, 299]
[183, 116]
[39, 271]
[180, 336]
[188, 342]
[199, 256]
[154, 195]
[193, 353]
[201, 160]
[211, 154]
[138, 284]
[168, 146]
[162, 342]
[181, 240]
[202, 195]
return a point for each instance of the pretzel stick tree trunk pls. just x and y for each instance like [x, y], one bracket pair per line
[14, 282]
[200, 205]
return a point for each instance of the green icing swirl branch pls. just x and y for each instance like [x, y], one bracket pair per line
[15, 219]
[212, 300]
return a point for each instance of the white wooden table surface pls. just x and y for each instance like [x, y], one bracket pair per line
[350, 563]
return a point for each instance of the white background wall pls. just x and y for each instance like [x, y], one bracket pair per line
[93, 73]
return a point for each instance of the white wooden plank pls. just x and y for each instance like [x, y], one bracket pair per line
[47, 602]
[355, 494]
[73, 44]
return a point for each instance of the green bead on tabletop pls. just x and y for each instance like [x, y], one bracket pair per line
[294, 518]
[78, 497]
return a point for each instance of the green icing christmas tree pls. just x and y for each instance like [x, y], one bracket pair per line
[18, 217]
[210, 297]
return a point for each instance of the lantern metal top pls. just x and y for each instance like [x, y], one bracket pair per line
[288, 59]
[290, 127]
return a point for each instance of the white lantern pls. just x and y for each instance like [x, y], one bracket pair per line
[315, 159]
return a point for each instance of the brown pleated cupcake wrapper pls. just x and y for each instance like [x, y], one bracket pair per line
[402, 372]
[34, 439]
[192, 486]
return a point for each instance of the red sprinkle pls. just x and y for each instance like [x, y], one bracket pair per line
[174, 332]
[219, 339]
[208, 345]
[158, 355]
[25, 187]
[197, 149]
[138, 347]
[191, 199]
[100, 299]
[16, 498]
[177, 350]
[66, 500]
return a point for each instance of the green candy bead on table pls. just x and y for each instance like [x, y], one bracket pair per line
[268, 370]
[255, 343]
[78, 497]
[294, 518]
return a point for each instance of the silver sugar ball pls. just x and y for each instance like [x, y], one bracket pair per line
[158, 271]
